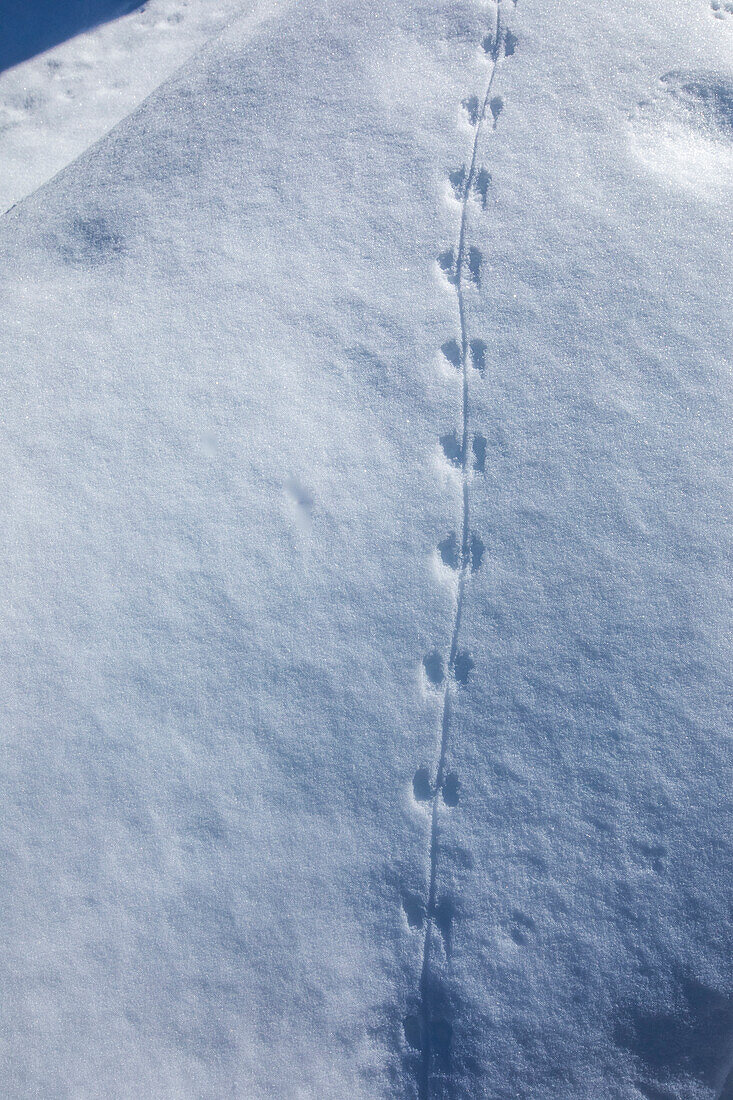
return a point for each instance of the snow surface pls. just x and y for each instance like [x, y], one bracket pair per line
[236, 554]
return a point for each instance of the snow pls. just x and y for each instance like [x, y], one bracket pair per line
[59, 102]
[343, 757]
[684, 130]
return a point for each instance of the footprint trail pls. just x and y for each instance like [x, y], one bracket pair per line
[429, 1030]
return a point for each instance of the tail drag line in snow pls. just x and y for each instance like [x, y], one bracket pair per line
[430, 1031]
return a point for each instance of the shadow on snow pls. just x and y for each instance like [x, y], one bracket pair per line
[28, 27]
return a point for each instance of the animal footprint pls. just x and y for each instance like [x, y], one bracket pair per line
[502, 45]
[414, 910]
[496, 106]
[433, 665]
[449, 267]
[471, 107]
[450, 551]
[447, 264]
[463, 666]
[451, 789]
[452, 448]
[422, 787]
[481, 185]
[491, 44]
[452, 353]
[521, 928]
[721, 8]
[654, 854]
[457, 180]
[440, 1039]
[479, 453]
[478, 355]
[411, 1029]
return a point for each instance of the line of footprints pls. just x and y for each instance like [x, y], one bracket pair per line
[467, 453]
[452, 552]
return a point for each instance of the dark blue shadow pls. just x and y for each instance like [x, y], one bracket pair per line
[28, 27]
[692, 1040]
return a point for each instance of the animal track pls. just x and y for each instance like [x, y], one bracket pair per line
[433, 665]
[435, 1038]
[654, 854]
[422, 788]
[481, 185]
[301, 497]
[457, 180]
[451, 789]
[452, 353]
[499, 43]
[428, 1031]
[447, 264]
[452, 448]
[451, 267]
[471, 107]
[450, 551]
[475, 259]
[721, 8]
[521, 928]
[478, 356]
[451, 555]
[490, 46]
[463, 666]
[414, 910]
[412, 1031]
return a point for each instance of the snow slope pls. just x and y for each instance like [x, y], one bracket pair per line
[311, 497]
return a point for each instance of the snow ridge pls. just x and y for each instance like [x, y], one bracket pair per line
[431, 1031]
